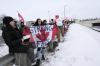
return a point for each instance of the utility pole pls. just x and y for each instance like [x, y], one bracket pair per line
[49, 15]
[64, 11]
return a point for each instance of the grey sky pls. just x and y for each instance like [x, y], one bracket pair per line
[32, 9]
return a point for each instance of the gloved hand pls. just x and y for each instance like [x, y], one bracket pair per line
[26, 38]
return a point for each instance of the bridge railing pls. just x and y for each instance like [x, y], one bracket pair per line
[7, 60]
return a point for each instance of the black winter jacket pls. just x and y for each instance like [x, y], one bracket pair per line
[12, 38]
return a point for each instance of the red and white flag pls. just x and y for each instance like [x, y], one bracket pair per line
[42, 34]
[56, 16]
[45, 34]
[21, 19]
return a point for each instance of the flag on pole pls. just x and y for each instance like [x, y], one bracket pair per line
[21, 19]
[56, 16]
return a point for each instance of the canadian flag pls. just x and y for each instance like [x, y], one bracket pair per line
[43, 35]
[21, 19]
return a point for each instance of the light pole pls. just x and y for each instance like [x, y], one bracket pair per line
[64, 11]
[49, 15]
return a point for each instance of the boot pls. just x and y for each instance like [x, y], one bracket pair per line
[43, 58]
[37, 63]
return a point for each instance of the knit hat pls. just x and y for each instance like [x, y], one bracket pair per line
[7, 20]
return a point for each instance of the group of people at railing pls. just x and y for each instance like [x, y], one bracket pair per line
[22, 42]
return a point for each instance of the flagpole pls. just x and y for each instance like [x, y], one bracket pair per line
[21, 19]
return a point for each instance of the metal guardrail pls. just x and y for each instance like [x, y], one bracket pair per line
[7, 60]
[96, 29]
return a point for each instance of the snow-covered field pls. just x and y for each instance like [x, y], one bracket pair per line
[81, 48]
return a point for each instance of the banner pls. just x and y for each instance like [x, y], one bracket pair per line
[42, 34]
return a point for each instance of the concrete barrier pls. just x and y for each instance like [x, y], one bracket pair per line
[7, 60]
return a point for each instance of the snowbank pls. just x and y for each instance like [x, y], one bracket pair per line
[81, 48]
[3, 50]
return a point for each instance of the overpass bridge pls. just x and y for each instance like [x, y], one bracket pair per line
[94, 24]
[89, 23]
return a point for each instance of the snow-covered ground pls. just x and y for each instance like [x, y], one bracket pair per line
[3, 50]
[81, 48]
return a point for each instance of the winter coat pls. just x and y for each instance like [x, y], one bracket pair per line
[12, 38]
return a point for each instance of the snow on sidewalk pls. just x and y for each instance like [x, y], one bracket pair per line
[81, 48]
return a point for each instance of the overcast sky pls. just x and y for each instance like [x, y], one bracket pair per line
[32, 9]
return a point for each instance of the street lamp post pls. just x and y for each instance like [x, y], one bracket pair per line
[49, 15]
[64, 11]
